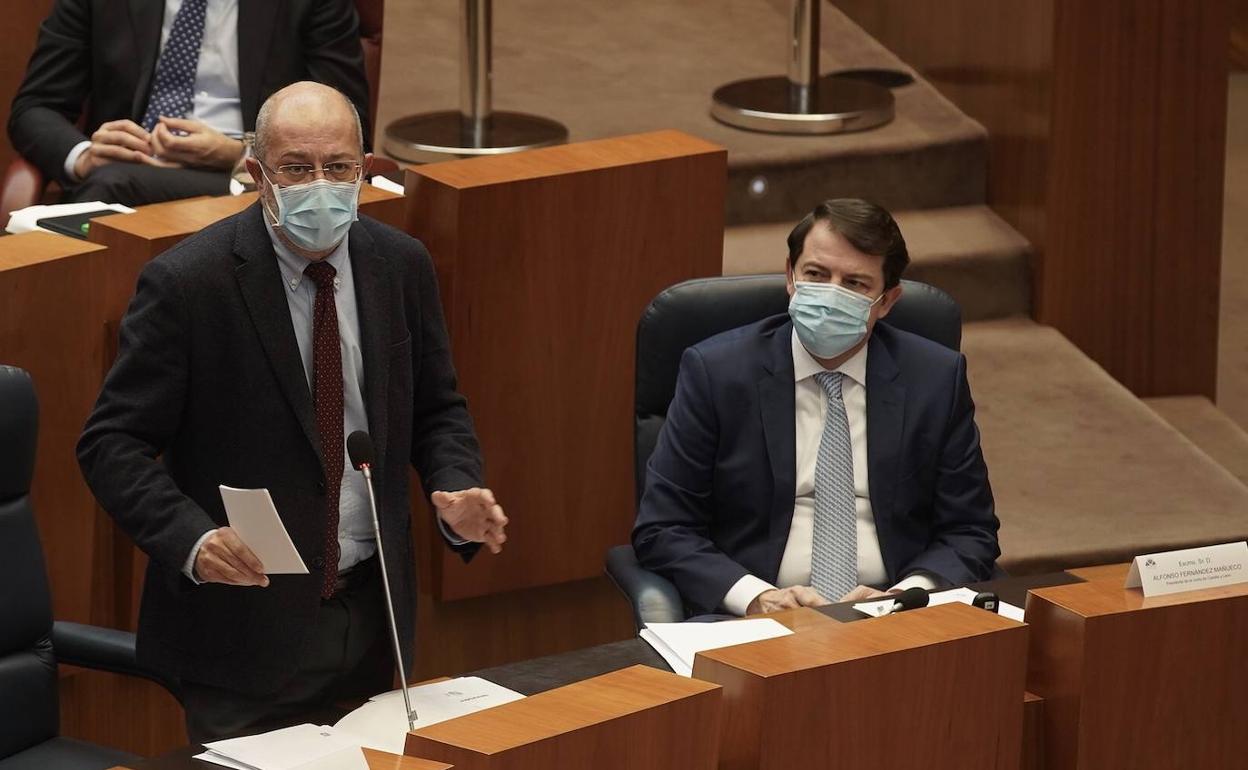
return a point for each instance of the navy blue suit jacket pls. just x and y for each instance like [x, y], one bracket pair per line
[718, 501]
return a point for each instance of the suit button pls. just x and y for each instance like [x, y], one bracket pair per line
[320, 487]
[317, 562]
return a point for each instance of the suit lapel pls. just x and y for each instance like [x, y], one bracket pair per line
[260, 282]
[373, 279]
[256, 20]
[886, 405]
[776, 403]
[146, 18]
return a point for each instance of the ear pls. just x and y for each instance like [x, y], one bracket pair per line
[257, 176]
[891, 297]
[790, 286]
[368, 164]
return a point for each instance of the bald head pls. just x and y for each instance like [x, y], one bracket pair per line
[305, 114]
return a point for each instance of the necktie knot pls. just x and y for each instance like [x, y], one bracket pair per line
[830, 382]
[321, 273]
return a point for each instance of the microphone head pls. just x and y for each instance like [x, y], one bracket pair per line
[360, 449]
[910, 599]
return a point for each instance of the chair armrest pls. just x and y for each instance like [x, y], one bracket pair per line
[102, 649]
[22, 186]
[654, 598]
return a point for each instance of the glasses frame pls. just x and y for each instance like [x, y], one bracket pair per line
[316, 171]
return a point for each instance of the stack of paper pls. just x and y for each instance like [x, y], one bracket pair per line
[381, 723]
[964, 595]
[678, 643]
[302, 747]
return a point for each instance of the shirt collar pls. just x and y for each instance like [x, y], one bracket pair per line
[805, 365]
[292, 265]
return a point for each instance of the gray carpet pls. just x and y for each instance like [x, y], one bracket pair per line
[605, 69]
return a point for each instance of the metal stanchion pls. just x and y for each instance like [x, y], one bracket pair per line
[475, 128]
[803, 102]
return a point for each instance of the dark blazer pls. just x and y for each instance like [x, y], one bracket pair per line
[718, 500]
[209, 380]
[100, 55]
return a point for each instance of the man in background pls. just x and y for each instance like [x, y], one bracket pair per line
[165, 89]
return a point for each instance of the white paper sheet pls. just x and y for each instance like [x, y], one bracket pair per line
[381, 723]
[963, 595]
[383, 183]
[253, 517]
[679, 643]
[302, 747]
[23, 220]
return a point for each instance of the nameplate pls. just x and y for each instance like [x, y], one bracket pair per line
[1190, 569]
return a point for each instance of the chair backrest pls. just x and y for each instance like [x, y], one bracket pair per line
[689, 312]
[28, 706]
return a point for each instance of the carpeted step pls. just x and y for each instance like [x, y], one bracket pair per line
[1209, 428]
[1083, 472]
[605, 69]
[968, 251]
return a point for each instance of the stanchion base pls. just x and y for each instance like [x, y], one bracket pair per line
[839, 104]
[437, 136]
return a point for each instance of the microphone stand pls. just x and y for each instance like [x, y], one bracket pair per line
[366, 469]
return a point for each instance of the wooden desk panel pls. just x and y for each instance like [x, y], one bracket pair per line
[637, 717]
[50, 325]
[546, 260]
[947, 678]
[1141, 683]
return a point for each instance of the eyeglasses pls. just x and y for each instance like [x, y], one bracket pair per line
[338, 171]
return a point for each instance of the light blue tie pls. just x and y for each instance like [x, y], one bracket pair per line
[173, 85]
[834, 552]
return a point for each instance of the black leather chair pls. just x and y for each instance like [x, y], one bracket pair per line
[688, 313]
[30, 643]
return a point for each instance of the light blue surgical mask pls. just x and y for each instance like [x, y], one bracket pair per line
[316, 215]
[829, 319]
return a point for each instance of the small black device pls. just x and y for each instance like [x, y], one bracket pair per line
[986, 600]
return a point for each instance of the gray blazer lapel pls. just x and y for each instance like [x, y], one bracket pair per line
[886, 412]
[146, 18]
[775, 398]
[256, 19]
[373, 281]
[260, 282]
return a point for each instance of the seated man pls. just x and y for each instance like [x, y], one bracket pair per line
[169, 87]
[820, 456]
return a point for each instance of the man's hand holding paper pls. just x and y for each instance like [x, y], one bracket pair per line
[224, 558]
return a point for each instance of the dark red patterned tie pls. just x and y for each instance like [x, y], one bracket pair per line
[327, 403]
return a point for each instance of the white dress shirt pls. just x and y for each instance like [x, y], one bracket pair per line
[216, 102]
[810, 410]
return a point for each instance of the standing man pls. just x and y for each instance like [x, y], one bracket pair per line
[820, 455]
[248, 353]
[168, 88]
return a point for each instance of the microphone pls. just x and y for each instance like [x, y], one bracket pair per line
[986, 600]
[909, 599]
[360, 450]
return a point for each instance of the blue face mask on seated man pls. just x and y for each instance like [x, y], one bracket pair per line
[316, 215]
[829, 319]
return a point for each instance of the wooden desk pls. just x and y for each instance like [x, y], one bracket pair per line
[546, 260]
[50, 305]
[1141, 683]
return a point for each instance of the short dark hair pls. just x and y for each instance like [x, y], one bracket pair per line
[868, 228]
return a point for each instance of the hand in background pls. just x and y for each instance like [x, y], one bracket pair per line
[786, 599]
[865, 594]
[117, 141]
[474, 515]
[224, 558]
[186, 142]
